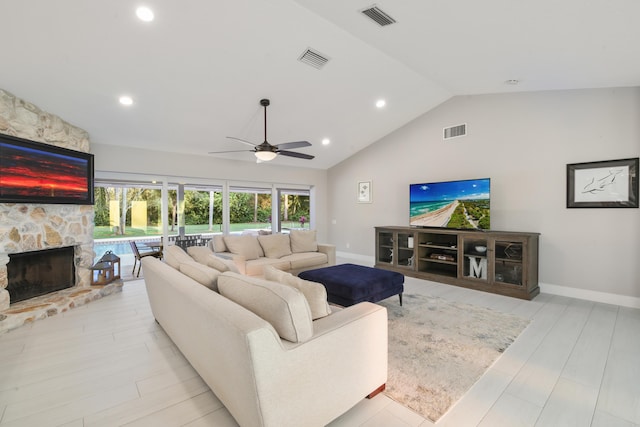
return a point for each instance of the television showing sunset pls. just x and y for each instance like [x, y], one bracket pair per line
[28, 172]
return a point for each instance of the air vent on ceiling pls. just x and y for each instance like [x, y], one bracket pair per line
[454, 131]
[378, 15]
[313, 58]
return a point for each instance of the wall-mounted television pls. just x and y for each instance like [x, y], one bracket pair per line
[461, 204]
[32, 172]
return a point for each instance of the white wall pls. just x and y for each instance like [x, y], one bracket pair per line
[523, 142]
[127, 160]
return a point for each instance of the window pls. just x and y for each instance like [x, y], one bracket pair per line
[294, 209]
[249, 208]
[127, 210]
[202, 209]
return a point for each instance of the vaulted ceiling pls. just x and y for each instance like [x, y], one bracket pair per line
[196, 73]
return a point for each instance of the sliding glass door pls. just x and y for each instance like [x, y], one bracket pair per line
[134, 209]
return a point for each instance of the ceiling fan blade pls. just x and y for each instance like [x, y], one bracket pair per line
[297, 144]
[232, 151]
[295, 154]
[242, 140]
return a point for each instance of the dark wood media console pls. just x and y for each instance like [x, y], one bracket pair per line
[501, 262]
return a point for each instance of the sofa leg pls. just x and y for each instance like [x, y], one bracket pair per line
[377, 391]
[400, 295]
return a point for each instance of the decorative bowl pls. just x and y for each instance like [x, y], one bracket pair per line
[481, 249]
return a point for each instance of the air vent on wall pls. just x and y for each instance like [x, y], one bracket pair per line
[378, 15]
[313, 58]
[454, 131]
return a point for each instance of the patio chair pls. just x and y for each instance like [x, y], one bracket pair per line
[139, 255]
[190, 240]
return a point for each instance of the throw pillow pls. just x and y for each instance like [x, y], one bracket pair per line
[245, 245]
[275, 245]
[175, 255]
[203, 255]
[284, 307]
[303, 241]
[202, 274]
[315, 293]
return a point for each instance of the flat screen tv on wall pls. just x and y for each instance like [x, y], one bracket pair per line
[461, 204]
[32, 172]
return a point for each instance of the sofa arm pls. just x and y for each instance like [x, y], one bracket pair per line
[330, 251]
[320, 379]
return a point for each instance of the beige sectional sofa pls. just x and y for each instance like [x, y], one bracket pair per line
[272, 350]
[294, 252]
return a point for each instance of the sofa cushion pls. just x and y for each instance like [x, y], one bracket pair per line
[283, 306]
[245, 245]
[275, 245]
[203, 255]
[303, 241]
[217, 243]
[306, 259]
[202, 274]
[315, 293]
[175, 255]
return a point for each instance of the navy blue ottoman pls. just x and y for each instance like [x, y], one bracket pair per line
[349, 284]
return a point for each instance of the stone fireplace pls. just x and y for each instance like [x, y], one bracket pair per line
[35, 273]
[28, 227]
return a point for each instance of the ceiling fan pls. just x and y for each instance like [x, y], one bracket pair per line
[265, 151]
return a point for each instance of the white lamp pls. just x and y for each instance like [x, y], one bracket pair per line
[265, 156]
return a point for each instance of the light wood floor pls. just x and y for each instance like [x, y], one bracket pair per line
[109, 364]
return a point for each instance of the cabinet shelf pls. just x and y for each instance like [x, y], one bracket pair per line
[509, 260]
[443, 248]
[508, 266]
[438, 261]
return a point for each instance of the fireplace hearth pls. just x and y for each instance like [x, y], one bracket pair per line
[35, 273]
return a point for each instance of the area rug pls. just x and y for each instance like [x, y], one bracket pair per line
[438, 349]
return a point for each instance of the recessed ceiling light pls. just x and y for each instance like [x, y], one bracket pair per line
[126, 100]
[381, 103]
[144, 14]
[326, 141]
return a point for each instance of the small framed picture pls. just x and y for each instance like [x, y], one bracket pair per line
[604, 184]
[364, 191]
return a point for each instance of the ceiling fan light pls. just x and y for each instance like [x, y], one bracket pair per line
[265, 156]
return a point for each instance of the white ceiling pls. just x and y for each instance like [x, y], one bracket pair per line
[198, 71]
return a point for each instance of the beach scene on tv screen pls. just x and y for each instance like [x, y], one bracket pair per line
[453, 204]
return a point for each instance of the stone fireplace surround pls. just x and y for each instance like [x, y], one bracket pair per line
[28, 227]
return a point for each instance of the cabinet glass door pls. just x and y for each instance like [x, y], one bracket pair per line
[508, 262]
[405, 250]
[474, 263]
[385, 247]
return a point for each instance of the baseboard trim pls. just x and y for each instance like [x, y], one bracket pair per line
[365, 259]
[585, 294]
[547, 288]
